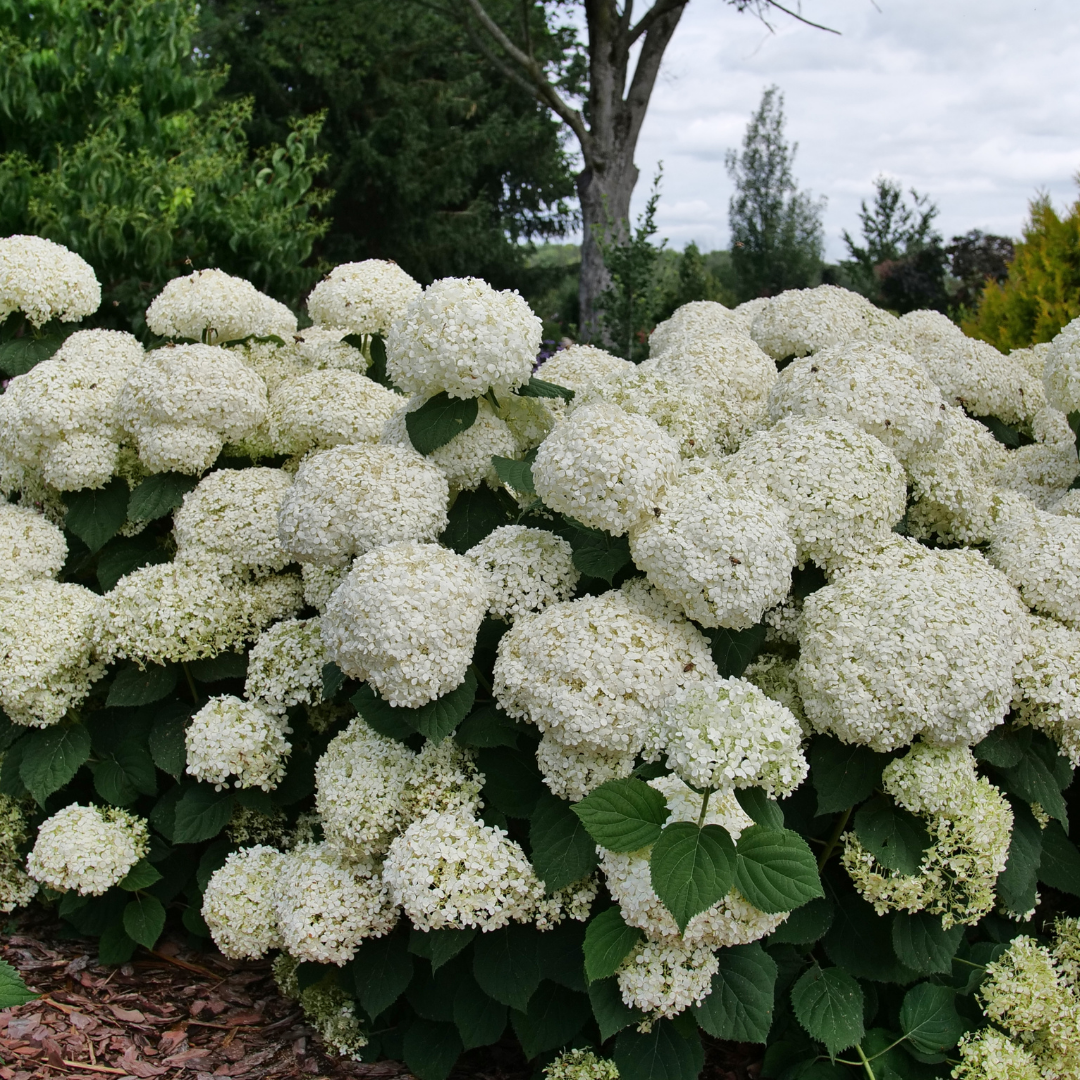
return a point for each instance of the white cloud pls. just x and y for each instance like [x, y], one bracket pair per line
[975, 102]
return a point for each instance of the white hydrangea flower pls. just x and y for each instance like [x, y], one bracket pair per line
[726, 733]
[975, 375]
[662, 978]
[360, 790]
[1068, 505]
[238, 904]
[524, 570]
[581, 1065]
[50, 649]
[448, 870]
[229, 737]
[594, 672]
[802, 321]
[572, 772]
[273, 363]
[891, 652]
[716, 551]
[320, 583]
[323, 347]
[693, 321]
[1061, 370]
[351, 499]
[326, 905]
[231, 518]
[183, 403]
[1051, 426]
[970, 825]
[187, 611]
[17, 888]
[605, 467]
[45, 281]
[869, 385]
[743, 315]
[580, 367]
[730, 373]
[1040, 555]
[987, 1054]
[442, 778]
[211, 306]
[462, 336]
[574, 901]
[406, 619]
[87, 848]
[775, 676]
[365, 297]
[1032, 359]
[466, 459]
[841, 487]
[31, 546]
[285, 665]
[1047, 691]
[60, 418]
[529, 419]
[1042, 472]
[733, 920]
[324, 408]
[332, 1013]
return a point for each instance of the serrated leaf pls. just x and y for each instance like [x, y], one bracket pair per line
[381, 969]
[144, 919]
[1032, 780]
[333, 679]
[929, 1019]
[166, 741]
[1017, 884]
[597, 553]
[430, 1048]
[843, 774]
[141, 876]
[540, 388]
[623, 815]
[611, 1013]
[860, 941]
[663, 1053]
[476, 514]
[438, 718]
[114, 946]
[608, 942]
[555, 1015]
[775, 869]
[512, 782]
[11, 782]
[13, 991]
[1003, 747]
[132, 686]
[201, 813]
[125, 773]
[562, 959]
[381, 716]
[440, 946]
[505, 965]
[488, 726]
[51, 757]
[761, 809]
[893, 835]
[692, 868]
[923, 944]
[806, 924]
[1059, 865]
[515, 474]
[122, 555]
[828, 1003]
[740, 1005]
[95, 515]
[438, 420]
[22, 354]
[1004, 433]
[733, 651]
[159, 495]
[479, 1020]
[226, 665]
[562, 850]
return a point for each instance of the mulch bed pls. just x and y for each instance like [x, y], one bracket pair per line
[192, 1015]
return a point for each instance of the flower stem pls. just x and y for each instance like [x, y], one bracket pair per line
[865, 1061]
[704, 807]
[830, 847]
[190, 682]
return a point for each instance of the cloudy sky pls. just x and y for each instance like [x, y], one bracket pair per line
[976, 102]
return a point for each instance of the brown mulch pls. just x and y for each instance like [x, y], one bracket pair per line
[189, 1015]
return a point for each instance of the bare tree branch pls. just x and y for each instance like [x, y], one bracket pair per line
[800, 18]
[661, 7]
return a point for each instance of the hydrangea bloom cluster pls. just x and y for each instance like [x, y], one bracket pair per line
[87, 848]
[45, 281]
[362, 297]
[285, 665]
[524, 570]
[582, 366]
[581, 1065]
[406, 618]
[229, 737]
[1047, 684]
[1061, 369]
[662, 978]
[183, 403]
[61, 416]
[31, 546]
[970, 825]
[691, 322]
[238, 904]
[605, 467]
[572, 772]
[211, 306]
[802, 321]
[351, 499]
[17, 888]
[463, 337]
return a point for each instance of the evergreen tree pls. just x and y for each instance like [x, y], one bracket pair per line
[776, 232]
[1042, 291]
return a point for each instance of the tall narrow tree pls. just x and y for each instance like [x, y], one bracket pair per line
[614, 97]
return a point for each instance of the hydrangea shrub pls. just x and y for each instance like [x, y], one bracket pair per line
[611, 709]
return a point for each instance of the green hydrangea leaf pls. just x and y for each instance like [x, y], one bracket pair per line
[775, 869]
[159, 495]
[893, 835]
[144, 920]
[740, 1006]
[539, 388]
[51, 757]
[562, 850]
[134, 686]
[663, 1053]
[438, 420]
[13, 991]
[608, 941]
[692, 868]
[929, 1019]
[843, 774]
[95, 515]
[515, 474]
[623, 815]
[828, 1003]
